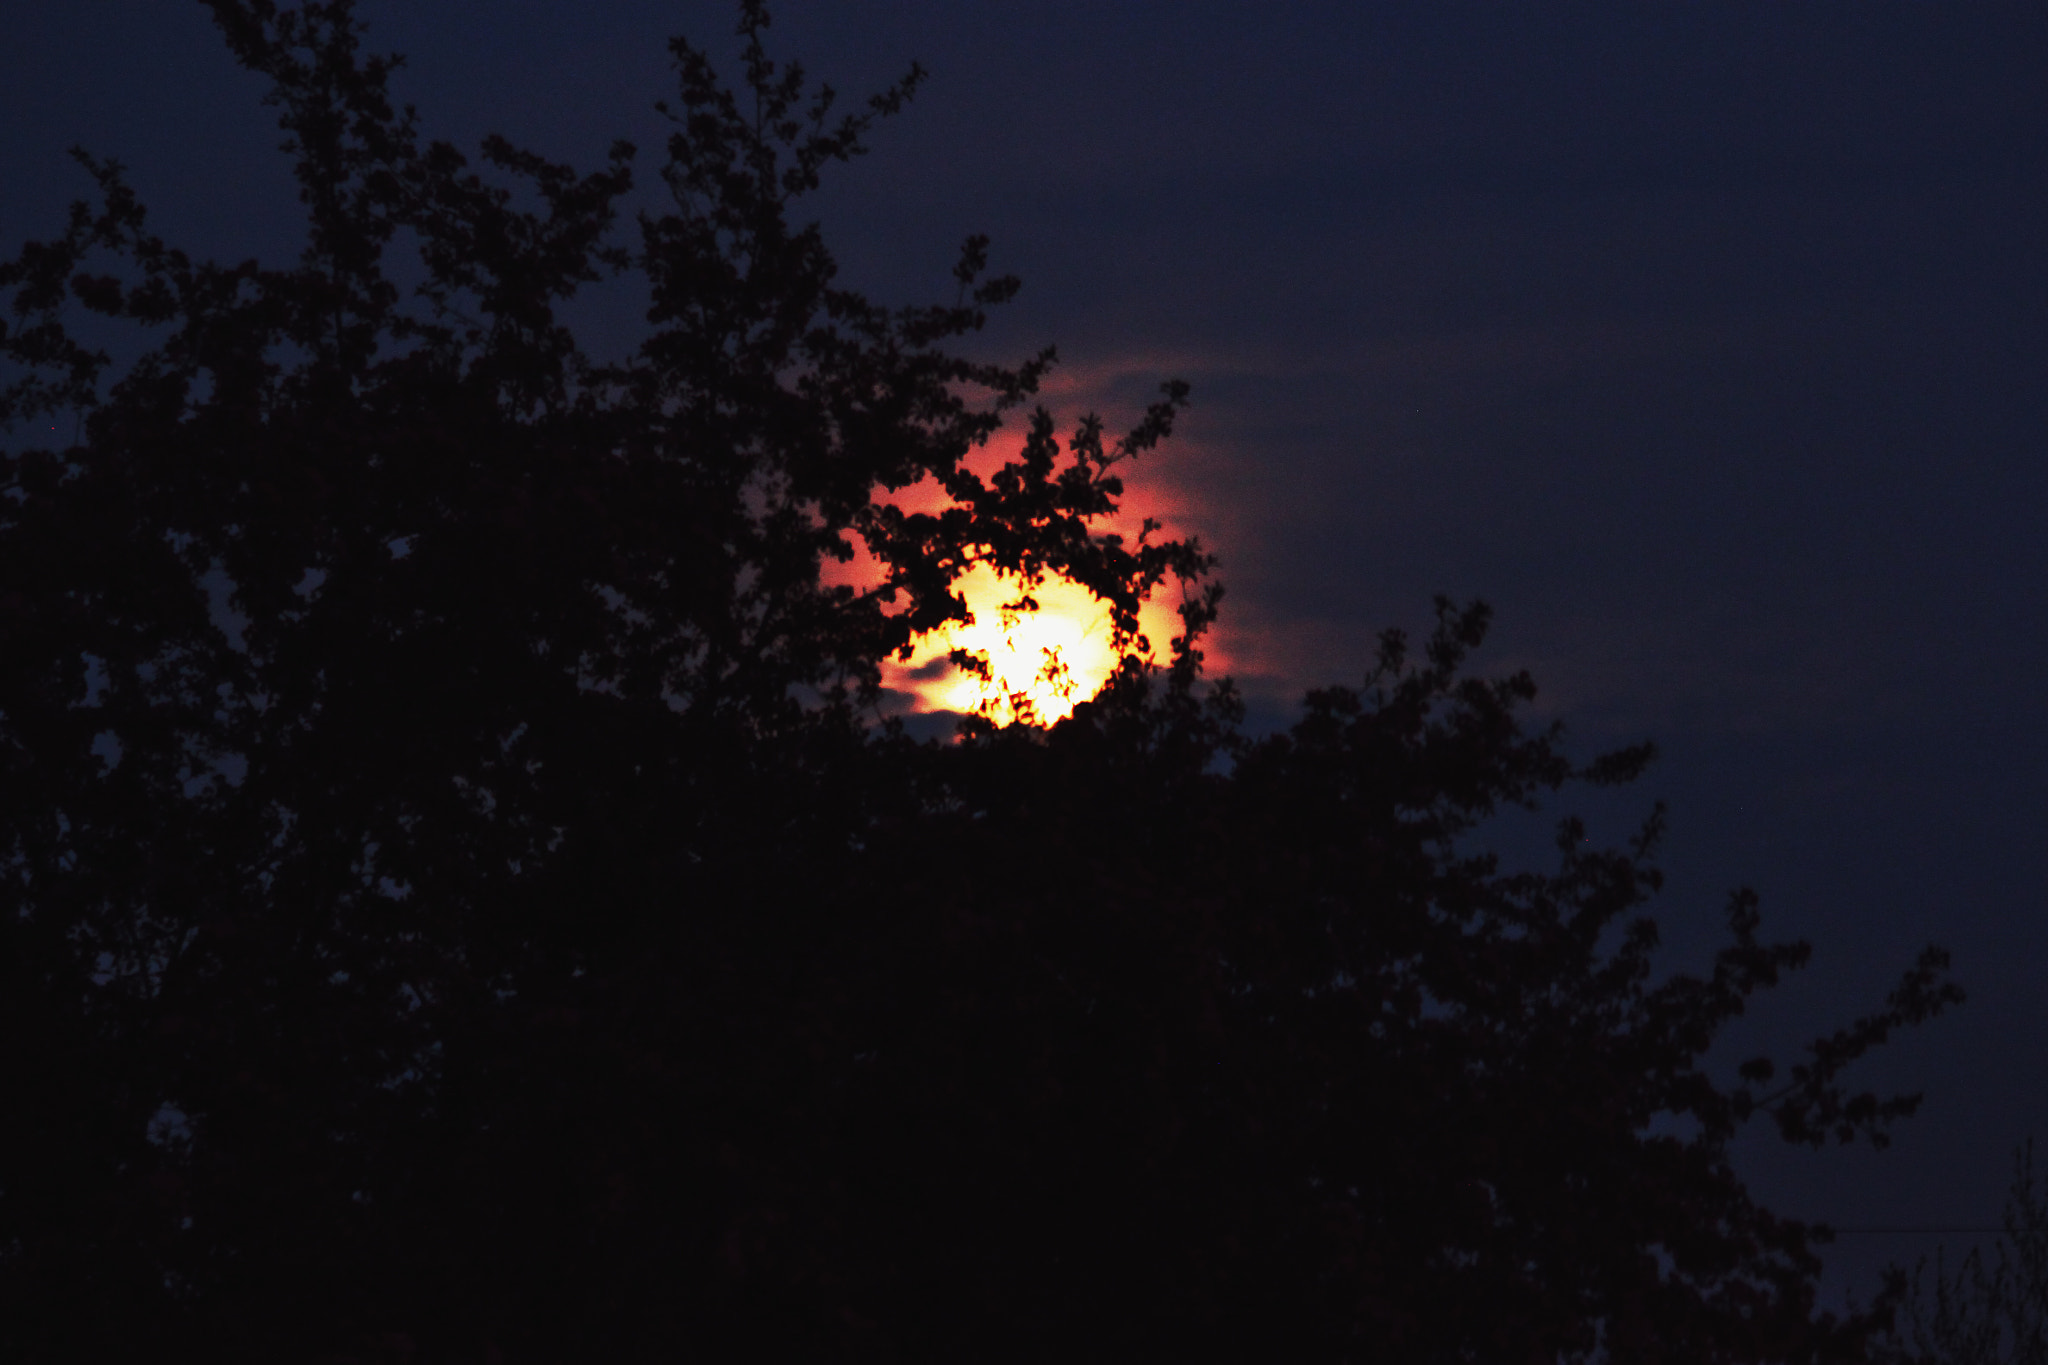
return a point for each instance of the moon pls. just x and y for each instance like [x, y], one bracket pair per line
[1042, 663]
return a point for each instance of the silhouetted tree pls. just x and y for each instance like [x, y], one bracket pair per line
[1989, 1312]
[460, 903]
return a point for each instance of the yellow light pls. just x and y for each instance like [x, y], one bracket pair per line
[1051, 659]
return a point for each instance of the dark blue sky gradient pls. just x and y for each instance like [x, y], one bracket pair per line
[1708, 342]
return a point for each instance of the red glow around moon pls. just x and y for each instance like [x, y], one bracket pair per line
[1042, 663]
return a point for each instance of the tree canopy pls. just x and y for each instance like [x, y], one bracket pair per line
[1991, 1311]
[463, 900]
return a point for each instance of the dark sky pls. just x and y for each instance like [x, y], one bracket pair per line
[1706, 341]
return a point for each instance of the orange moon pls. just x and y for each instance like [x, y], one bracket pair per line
[1042, 663]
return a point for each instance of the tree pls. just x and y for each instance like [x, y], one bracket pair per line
[1989, 1313]
[463, 904]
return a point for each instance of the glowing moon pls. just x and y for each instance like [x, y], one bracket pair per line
[1041, 663]
[1051, 659]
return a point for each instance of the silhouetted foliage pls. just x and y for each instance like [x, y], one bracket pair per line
[461, 904]
[1989, 1312]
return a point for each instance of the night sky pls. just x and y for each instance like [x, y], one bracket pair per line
[1708, 342]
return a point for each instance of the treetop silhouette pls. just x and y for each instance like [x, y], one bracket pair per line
[461, 903]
